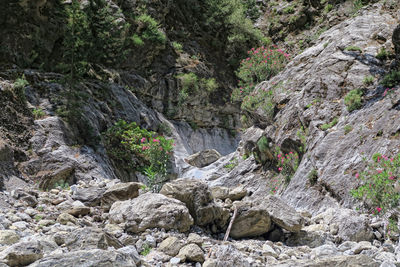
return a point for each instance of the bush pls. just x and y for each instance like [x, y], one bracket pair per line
[383, 54]
[142, 150]
[189, 82]
[353, 100]
[260, 99]
[150, 29]
[391, 79]
[38, 113]
[327, 126]
[369, 80]
[353, 48]
[19, 88]
[378, 184]
[287, 163]
[136, 40]
[261, 65]
[348, 129]
[313, 176]
[210, 85]
[177, 46]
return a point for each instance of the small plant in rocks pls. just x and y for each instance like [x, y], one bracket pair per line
[287, 163]
[379, 184]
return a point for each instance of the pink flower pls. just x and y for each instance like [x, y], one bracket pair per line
[378, 209]
[279, 156]
[161, 148]
[357, 175]
[145, 148]
[143, 140]
[379, 171]
[279, 169]
[156, 140]
[391, 178]
[174, 144]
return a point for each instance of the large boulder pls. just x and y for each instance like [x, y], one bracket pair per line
[94, 257]
[120, 192]
[198, 199]
[22, 253]
[90, 196]
[151, 211]
[203, 158]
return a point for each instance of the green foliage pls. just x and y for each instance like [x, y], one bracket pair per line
[38, 113]
[353, 100]
[302, 134]
[353, 48]
[328, 8]
[38, 217]
[228, 17]
[145, 250]
[141, 150]
[232, 164]
[262, 64]
[313, 176]
[177, 46]
[163, 128]
[383, 54]
[378, 184]
[210, 85]
[325, 127]
[19, 88]
[287, 163]
[150, 29]
[391, 79]
[369, 80]
[189, 82]
[136, 40]
[288, 10]
[260, 99]
[62, 184]
[348, 129]
[357, 5]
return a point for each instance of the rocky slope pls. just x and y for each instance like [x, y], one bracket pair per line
[65, 202]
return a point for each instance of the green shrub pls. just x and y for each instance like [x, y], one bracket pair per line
[313, 176]
[141, 150]
[38, 113]
[189, 82]
[19, 87]
[260, 99]
[348, 129]
[328, 8]
[210, 85]
[383, 54]
[325, 127]
[378, 186]
[287, 163]
[353, 100]
[261, 65]
[369, 80]
[391, 79]
[232, 164]
[150, 30]
[353, 48]
[62, 184]
[177, 46]
[288, 10]
[145, 250]
[136, 40]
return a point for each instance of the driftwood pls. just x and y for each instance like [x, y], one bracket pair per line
[230, 224]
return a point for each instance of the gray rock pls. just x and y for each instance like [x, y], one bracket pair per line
[90, 196]
[64, 218]
[191, 252]
[119, 192]
[342, 261]
[131, 252]
[171, 246]
[203, 158]
[8, 237]
[197, 197]
[150, 211]
[283, 215]
[22, 253]
[94, 257]
[226, 255]
[236, 193]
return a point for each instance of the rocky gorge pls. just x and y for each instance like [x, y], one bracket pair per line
[226, 198]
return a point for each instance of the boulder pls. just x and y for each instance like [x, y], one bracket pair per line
[93, 257]
[8, 237]
[203, 158]
[120, 192]
[226, 255]
[22, 253]
[65, 218]
[171, 246]
[150, 211]
[191, 252]
[90, 196]
[221, 192]
[197, 198]
[283, 215]
[252, 220]
[78, 209]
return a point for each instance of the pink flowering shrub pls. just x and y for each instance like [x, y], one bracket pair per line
[378, 185]
[140, 149]
[260, 65]
[287, 163]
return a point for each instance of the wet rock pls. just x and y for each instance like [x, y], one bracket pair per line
[150, 211]
[191, 252]
[203, 158]
[119, 192]
[94, 257]
[197, 197]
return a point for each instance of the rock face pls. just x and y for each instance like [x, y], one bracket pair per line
[120, 192]
[203, 158]
[22, 253]
[396, 40]
[149, 211]
[197, 198]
